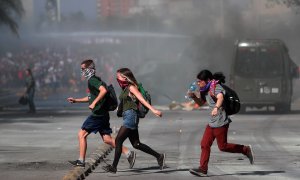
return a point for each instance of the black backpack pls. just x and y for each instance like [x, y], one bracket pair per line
[111, 101]
[231, 102]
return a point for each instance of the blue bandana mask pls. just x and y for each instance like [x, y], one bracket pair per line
[206, 87]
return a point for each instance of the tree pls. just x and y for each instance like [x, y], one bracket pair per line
[9, 10]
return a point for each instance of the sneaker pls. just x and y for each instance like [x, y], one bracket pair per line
[131, 159]
[250, 155]
[77, 163]
[161, 161]
[109, 168]
[198, 172]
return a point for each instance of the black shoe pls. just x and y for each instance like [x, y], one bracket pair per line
[131, 159]
[250, 155]
[161, 161]
[198, 172]
[109, 168]
[77, 163]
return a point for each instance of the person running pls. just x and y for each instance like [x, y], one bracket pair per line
[129, 98]
[98, 121]
[218, 123]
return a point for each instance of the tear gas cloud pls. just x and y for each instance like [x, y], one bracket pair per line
[164, 42]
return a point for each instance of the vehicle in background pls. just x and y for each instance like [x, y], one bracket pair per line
[262, 74]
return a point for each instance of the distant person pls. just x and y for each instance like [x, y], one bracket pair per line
[98, 121]
[30, 90]
[129, 98]
[218, 122]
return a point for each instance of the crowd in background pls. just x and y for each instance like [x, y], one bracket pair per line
[161, 64]
[56, 69]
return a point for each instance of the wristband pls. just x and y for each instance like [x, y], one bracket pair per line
[216, 107]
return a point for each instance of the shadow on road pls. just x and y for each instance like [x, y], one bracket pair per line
[258, 173]
[149, 170]
[144, 171]
[33, 166]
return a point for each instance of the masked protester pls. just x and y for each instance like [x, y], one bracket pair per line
[30, 90]
[129, 98]
[213, 93]
[98, 121]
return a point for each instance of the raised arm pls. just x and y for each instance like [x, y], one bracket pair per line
[134, 90]
[197, 100]
[102, 93]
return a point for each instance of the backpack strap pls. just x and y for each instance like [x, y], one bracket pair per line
[212, 89]
[213, 96]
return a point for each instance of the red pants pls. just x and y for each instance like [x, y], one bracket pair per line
[221, 135]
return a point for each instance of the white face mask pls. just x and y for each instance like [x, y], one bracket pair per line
[89, 71]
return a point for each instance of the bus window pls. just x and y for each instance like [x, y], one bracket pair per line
[263, 62]
[246, 62]
[270, 62]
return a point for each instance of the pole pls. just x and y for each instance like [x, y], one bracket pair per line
[58, 10]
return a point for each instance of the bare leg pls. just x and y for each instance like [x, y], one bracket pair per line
[82, 134]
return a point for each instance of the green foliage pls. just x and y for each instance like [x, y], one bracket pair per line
[9, 9]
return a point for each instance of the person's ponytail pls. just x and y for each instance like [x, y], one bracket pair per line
[219, 76]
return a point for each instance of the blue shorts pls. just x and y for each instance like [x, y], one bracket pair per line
[130, 119]
[97, 124]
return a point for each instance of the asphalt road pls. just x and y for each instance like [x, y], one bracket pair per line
[39, 146]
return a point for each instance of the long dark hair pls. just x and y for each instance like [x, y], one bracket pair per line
[206, 75]
[127, 73]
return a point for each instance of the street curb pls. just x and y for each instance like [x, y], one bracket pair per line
[79, 173]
